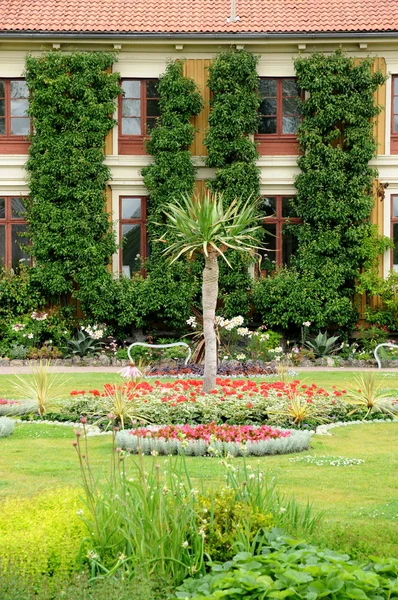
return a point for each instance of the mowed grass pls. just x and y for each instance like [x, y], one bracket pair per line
[88, 381]
[360, 502]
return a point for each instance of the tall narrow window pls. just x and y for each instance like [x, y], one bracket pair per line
[12, 228]
[280, 243]
[279, 115]
[394, 231]
[132, 234]
[138, 111]
[14, 120]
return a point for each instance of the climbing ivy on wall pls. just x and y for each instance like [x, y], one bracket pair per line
[71, 106]
[233, 81]
[171, 175]
[334, 196]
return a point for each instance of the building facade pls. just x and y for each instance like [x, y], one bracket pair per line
[146, 36]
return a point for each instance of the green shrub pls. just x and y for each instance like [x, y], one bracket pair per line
[6, 426]
[41, 535]
[261, 342]
[290, 568]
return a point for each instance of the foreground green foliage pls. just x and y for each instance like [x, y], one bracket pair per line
[71, 106]
[289, 568]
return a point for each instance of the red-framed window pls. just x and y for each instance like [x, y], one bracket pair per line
[394, 116]
[12, 228]
[14, 120]
[138, 111]
[279, 115]
[132, 224]
[394, 232]
[280, 243]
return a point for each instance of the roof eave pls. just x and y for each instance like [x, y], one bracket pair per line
[7, 34]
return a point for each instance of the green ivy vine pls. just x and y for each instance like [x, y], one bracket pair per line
[336, 240]
[71, 105]
[233, 81]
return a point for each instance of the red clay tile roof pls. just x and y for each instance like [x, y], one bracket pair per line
[198, 16]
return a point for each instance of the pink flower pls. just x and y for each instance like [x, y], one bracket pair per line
[130, 372]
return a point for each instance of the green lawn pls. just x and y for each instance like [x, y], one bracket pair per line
[360, 502]
[88, 381]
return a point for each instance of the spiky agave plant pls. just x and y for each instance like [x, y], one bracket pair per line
[43, 388]
[201, 224]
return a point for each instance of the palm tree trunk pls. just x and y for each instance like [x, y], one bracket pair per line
[209, 302]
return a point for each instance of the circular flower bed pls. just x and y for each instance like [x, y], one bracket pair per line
[213, 440]
[212, 431]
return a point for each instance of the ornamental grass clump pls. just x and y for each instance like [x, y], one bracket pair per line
[42, 388]
[368, 395]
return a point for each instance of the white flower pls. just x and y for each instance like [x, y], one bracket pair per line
[18, 327]
[185, 544]
[307, 323]
[241, 356]
[192, 322]
[30, 336]
[278, 349]
[243, 331]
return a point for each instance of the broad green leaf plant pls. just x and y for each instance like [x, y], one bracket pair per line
[201, 224]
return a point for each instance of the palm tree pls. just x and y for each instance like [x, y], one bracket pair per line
[202, 224]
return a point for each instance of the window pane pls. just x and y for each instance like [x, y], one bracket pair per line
[18, 255]
[2, 108]
[290, 124]
[131, 126]
[396, 105]
[289, 246]
[131, 249]
[268, 106]
[19, 89]
[2, 126]
[132, 89]
[2, 208]
[269, 206]
[2, 90]
[267, 125]
[290, 88]
[395, 123]
[395, 206]
[131, 108]
[131, 208]
[2, 245]
[267, 87]
[268, 254]
[20, 126]
[395, 85]
[395, 251]
[152, 108]
[287, 208]
[19, 108]
[291, 106]
[150, 124]
[152, 88]
[17, 208]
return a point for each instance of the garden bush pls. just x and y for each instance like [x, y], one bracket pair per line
[6, 426]
[290, 568]
[51, 546]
